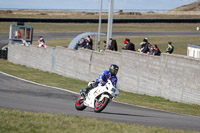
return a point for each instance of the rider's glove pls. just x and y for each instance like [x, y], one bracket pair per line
[101, 81]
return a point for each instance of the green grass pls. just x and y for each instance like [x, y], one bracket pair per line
[56, 42]
[18, 121]
[179, 42]
[41, 77]
[13, 121]
[90, 27]
[75, 85]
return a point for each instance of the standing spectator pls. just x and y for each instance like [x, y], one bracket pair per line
[113, 45]
[130, 45]
[145, 46]
[89, 43]
[170, 48]
[156, 50]
[41, 42]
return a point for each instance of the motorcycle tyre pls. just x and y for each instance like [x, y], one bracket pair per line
[79, 105]
[102, 106]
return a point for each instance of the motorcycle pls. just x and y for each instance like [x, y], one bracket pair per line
[98, 98]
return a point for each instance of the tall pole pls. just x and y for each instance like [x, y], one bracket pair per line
[110, 21]
[99, 31]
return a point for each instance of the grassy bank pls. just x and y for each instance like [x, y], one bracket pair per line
[18, 122]
[75, 85]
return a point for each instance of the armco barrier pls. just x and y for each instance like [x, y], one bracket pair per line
[173, 77]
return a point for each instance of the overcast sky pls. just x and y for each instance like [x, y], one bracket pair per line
[93, 4]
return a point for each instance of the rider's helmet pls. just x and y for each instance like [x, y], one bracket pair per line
[113, 69]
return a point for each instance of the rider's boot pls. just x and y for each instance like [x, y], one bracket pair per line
[90, 87]
[86, 91]
[82, 92]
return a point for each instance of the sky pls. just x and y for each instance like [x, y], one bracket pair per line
[93, 4]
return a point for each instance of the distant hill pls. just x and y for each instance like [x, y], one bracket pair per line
[193, 8]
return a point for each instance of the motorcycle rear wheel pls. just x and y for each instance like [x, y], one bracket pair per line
[79, 105]
[100, 105]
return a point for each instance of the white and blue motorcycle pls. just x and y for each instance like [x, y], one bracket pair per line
[98, 98]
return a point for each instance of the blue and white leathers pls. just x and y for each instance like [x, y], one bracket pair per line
[105, 76]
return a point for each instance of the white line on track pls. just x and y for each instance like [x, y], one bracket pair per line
[38, 83]
[78, 93]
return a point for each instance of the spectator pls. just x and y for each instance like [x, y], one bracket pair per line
[41, 42]
[142, 44]
[89, 43]
[151, 50]
[130, 45]
[170, 48]
[125, 42]
[156, 50]
[81, 44]
[113, 45]
[18, 35]
[105, 45]
[145, 46]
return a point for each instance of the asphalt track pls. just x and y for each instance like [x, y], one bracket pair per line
[27, 96]
[64, 35]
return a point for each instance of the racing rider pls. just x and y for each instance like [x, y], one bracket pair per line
[103, 77]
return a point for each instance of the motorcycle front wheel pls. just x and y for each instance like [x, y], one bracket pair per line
[79, 105]
[100, 105]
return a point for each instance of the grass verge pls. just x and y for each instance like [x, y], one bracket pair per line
[75, 85]
[18, 121]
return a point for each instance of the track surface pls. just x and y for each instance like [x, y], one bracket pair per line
[64, 35]
[27, 96]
